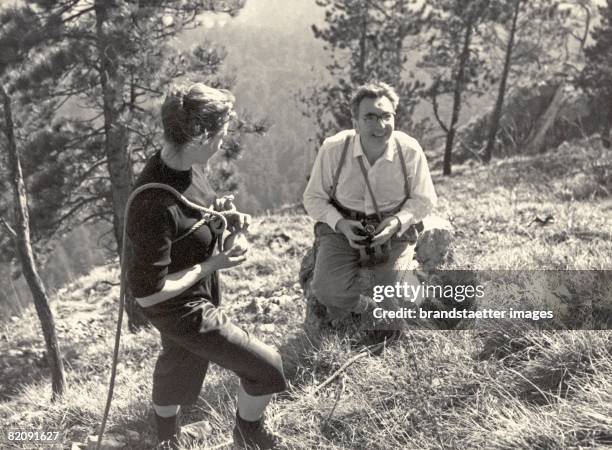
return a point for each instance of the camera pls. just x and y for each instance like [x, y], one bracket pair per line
[368, 233]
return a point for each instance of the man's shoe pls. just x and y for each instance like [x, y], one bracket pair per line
[254, 435]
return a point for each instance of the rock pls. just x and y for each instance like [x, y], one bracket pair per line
[434, 247]
[253, 307]
[133, 436]
[271, 309]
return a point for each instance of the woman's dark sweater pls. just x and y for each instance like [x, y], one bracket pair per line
[156, 219]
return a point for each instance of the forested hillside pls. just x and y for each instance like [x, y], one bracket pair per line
[274, 56]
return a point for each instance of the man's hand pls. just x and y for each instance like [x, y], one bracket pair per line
[353, 230]
[386, 230]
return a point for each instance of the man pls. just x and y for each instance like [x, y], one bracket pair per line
[368, 189]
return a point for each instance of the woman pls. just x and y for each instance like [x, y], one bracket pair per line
[173, 275]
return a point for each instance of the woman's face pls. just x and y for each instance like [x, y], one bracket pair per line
[202, 149]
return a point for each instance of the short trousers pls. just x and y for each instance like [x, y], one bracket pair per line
[196, 333]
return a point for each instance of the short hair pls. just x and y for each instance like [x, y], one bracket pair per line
[194, 111]
[373, 89]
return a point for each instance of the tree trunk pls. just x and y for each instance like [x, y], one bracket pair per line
[535, 140]
[607, 126]
[116, 143]
[457, 91]
[499, 103]
[26, 256]
[363, 46]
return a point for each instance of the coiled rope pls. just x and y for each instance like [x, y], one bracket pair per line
[211, 216]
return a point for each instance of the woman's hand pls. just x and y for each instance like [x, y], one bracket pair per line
[225, 203]
[236, 241]
[236, 221]
[228, 259]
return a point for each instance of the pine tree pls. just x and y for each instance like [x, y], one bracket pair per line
[454, 58]
[531, 49]
[514, 12]
[21, 235]
[367, 41]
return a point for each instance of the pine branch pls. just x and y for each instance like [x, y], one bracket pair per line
[103, 215]
[79, 139]
[78, 14]
[8, 228]
[148, 89]
[89, 171]
[54, 226]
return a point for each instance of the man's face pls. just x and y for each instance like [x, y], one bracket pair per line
[375, 122]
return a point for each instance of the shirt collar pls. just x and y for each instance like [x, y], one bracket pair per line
[389, 153]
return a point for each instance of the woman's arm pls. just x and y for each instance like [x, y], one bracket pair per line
[177, 282]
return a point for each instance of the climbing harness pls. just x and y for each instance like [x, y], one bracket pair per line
[217, 223]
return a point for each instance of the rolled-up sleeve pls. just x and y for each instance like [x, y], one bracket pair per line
[423, 196]
[150, 229]
[317, 194]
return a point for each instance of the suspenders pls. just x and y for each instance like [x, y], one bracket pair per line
[336, 203]
[369, 256]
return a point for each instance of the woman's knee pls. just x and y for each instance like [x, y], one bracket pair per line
[269, 377]
[277, 374]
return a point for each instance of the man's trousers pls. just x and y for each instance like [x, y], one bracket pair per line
[336, 280]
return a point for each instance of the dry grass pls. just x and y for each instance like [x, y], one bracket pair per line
[499, 388]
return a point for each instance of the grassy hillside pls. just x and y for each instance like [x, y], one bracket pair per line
[432, 389]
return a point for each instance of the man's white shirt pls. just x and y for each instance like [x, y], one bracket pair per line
[385, 176]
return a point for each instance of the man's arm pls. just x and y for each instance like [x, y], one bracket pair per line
[423, 196]
[317, 194]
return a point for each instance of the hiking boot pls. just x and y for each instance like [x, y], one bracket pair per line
[254, 435]
[168, 430]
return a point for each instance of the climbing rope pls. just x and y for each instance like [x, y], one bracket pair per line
[217, 223]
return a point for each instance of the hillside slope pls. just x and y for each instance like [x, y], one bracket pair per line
[432, 389]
